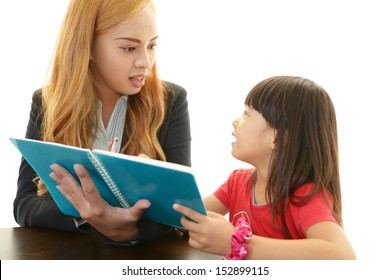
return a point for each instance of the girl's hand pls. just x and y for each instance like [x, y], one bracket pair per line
[118, 224]
[211, 233]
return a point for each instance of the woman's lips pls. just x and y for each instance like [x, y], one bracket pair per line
[137, 81]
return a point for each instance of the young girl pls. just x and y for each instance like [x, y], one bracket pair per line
[289, 205]
[103, 85]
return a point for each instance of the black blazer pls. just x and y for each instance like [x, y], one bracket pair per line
[41, 211]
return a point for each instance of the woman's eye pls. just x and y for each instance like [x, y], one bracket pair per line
[129, 49]
[153, 46]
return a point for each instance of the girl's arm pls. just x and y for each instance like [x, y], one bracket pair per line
[213, 204]
[324, 240]
[212, 233]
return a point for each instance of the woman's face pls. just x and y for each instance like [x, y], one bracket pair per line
[123, 56]
[254, 139]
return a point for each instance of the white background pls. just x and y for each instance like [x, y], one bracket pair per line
[218, 50]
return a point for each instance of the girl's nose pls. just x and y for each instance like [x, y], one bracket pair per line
[235, 122]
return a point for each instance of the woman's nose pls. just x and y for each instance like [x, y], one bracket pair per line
[145, 60]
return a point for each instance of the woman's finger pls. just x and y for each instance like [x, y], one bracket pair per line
[91, 193]
[67, 182]
[70, 188]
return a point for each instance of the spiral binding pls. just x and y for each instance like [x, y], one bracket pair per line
[109, 181]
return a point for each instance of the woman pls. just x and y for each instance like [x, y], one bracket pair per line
[103, 85]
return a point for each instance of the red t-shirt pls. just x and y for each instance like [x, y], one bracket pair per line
[237, 196]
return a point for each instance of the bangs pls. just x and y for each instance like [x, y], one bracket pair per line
[268, 98]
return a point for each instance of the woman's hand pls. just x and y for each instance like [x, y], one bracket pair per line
[118, 224]
[211, 233]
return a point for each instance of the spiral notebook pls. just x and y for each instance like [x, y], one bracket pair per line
[121, 179]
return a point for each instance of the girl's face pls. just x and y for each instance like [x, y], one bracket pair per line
[123, 56]
[254, 139]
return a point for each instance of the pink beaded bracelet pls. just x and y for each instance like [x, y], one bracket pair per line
[240, 238]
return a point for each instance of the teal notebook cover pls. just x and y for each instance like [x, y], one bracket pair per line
[121, 179]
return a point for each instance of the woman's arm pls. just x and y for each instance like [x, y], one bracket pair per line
[29, 208]
[116, 223]
[33, 210]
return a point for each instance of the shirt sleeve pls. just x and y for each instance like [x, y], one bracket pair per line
[227, 191]
[316, 209]
[223, 193]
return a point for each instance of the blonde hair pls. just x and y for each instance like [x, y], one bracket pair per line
[69, 99]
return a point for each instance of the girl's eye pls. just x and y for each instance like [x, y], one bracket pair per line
[153, 46]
